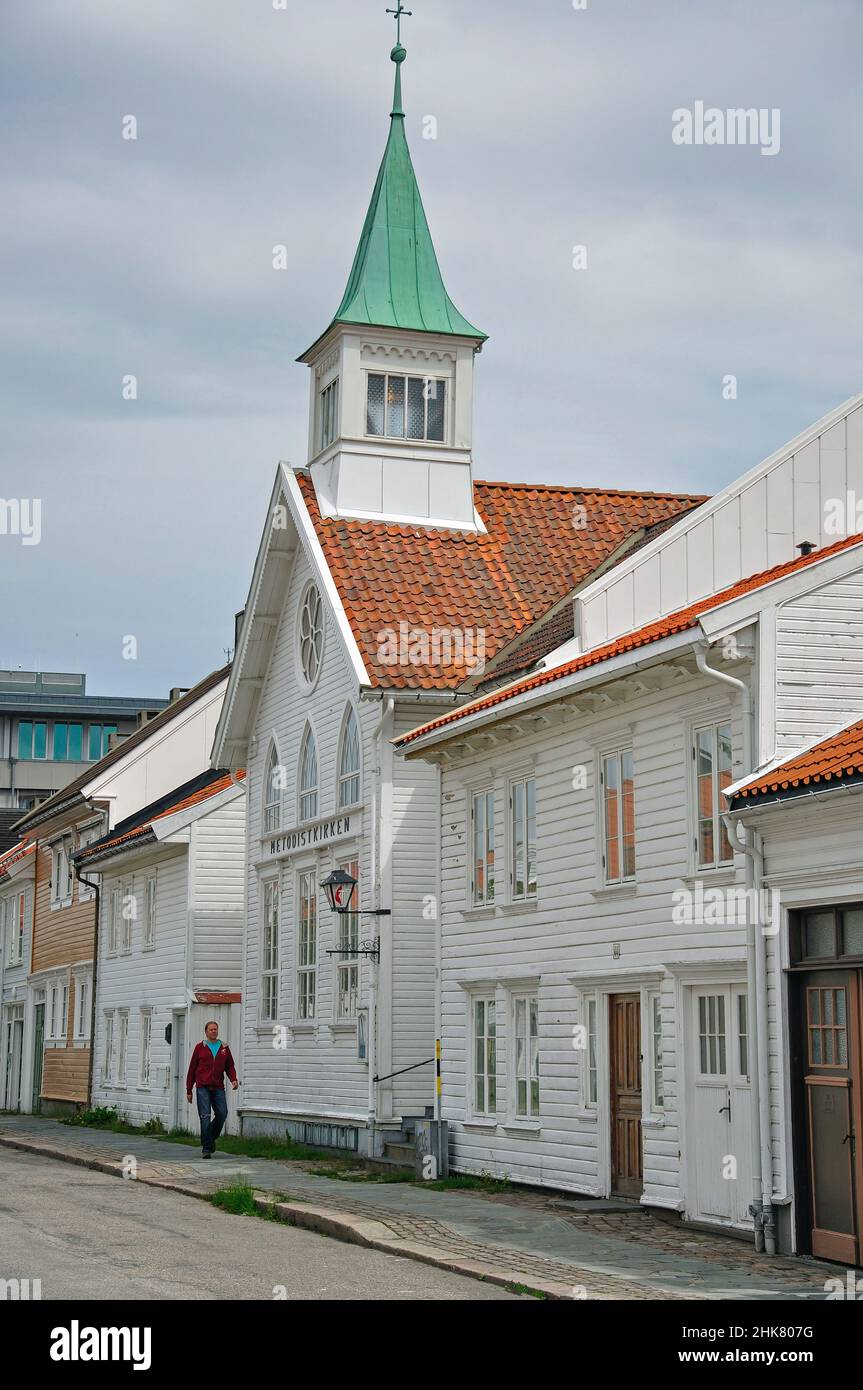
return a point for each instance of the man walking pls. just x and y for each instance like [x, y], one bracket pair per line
[211, 1059]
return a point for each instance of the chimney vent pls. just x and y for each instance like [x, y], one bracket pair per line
[806, 547]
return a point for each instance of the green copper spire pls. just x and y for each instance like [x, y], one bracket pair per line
[395, 281]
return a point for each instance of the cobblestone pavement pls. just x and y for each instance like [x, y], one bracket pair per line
[596, 1252]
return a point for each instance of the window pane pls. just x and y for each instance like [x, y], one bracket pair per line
[76, 742]
[94, 743]
[375, 404]
[518, 840]
[25, 739]
[627, 765]
[530, 790]
[704, 777]
[818, 934]
[742, 1036]
[61, 741]
[611, 782]
[396, 406]
[416, 408]
[489, 847]
[40, 740]
[852, 931]
[436, 393]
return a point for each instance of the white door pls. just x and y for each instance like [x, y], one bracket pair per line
[720, 1160]
[183, 1116]
[228, 1018]
[14, 1049]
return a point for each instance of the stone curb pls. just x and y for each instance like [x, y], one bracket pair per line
[355, 1230]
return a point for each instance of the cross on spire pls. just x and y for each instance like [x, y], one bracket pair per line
[397, 15]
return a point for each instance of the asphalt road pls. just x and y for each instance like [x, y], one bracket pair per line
[90, 1236]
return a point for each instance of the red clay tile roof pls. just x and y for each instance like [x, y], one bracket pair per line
[140, 826]
[496, 584]
[13, 855]
[674, 623]
[832, 760]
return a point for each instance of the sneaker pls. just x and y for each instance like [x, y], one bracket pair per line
[205, 1153]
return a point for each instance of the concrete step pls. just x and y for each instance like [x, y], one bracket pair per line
[402, 1153]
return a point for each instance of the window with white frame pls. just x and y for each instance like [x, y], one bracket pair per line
[128, 915]
[712, 761]
[270, 951]
[311, 634]
[349, 762]
[526, 1069]
[522, 803]
[482, 839]
[308, 777]
[57, 1010]
[108, 1055]
[61, 873]
[329, 413]
[87, 837]
[590, 1084]
[144, 1050]
[617, 779]
[82, 1007]
[122, 1046]
[654, 1014]
[13, 922]
[405, 407]
[484, 1055]
[274, 782]
[149, 941]
[307, 946]
[114, 910]
[349, 943]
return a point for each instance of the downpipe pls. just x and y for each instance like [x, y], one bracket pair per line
[762, 1172]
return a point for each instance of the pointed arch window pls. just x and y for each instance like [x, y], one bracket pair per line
[273, 783]
[308, 777]
[349, 762]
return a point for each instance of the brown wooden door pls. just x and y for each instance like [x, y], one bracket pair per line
[625, 1054]
[832, 1088]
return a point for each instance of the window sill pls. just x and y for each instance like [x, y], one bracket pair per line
[55, 1042]
[303, 1029]
[629, 889]
[583, 1113]
[81, 1042]
[58, 903]
[521, 1127]
[653, 1122]
[343, 1025]
[518, 905]
[726, 873]
[482, 912]
[266, 1030]
[488, 1126]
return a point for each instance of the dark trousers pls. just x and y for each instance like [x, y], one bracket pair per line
[211, 1098]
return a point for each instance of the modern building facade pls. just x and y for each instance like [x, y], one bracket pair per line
[51, 730]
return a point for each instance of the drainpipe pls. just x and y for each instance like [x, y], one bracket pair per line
[89, 883]
[762, 1175]
[387, 708]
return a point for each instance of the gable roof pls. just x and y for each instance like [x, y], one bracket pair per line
[832, 762]
[139, 826]
[681, 621]
[14, 856]
[71, 793]
[496, 584]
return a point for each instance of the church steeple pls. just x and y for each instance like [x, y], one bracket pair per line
[395, 280]
[390, 424]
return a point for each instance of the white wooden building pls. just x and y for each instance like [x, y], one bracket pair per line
[611, 987]
[170, 945]
[16, 1024]
[388, 585]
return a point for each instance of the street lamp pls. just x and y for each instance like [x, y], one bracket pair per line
[340, 887]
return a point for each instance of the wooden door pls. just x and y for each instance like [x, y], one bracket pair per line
[720, 1147]
[624, 1015]
[832, 1090]
[38, 1055]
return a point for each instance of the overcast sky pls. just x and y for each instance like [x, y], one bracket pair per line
[260, 126]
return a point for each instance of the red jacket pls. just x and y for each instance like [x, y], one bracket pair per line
[207, 1070]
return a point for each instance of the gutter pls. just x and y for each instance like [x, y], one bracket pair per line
[756, 981]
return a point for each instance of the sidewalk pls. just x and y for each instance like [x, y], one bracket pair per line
[553, 1247]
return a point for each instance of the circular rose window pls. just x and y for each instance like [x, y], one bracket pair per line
[311, 635]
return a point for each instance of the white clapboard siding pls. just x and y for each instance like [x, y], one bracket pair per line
[819, 662]
[752, 525]
[317, 1073]
[217, 853]
[154, 979]
[572, 929]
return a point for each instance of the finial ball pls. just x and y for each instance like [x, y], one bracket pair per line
[399, 54]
